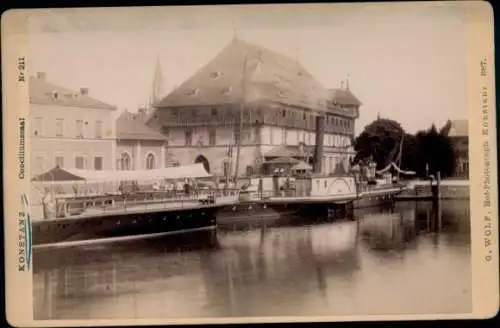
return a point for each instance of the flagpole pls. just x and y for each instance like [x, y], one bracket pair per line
[240, 128]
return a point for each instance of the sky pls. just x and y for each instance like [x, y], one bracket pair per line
[406, 62]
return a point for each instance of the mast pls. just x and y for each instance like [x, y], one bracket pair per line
[401, 151]
[240, 123]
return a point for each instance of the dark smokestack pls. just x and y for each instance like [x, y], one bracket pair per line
[318, 150]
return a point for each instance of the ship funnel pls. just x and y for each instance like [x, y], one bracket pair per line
[318, 149]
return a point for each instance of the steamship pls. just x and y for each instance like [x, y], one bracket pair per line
[301, 191]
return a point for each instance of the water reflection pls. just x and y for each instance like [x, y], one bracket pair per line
[346, 267]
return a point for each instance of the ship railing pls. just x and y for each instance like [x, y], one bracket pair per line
[142, 201]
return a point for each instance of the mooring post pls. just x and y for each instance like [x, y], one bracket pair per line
[438, 200]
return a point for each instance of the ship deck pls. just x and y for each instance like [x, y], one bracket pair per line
[138, 209]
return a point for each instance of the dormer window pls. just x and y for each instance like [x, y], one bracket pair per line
[215, 75]
[282, 79]
[227, 90]
[194, 92]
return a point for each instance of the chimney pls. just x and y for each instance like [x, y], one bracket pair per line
[342, 84]
[141, 113]
[41, 75]
[318, 149]
[84, 91]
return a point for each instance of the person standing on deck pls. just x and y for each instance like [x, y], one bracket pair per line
[49, 205]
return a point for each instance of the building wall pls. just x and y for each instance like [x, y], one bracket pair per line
[139, 151]
[216, 157]
[264, 125]
[54, 131]
[461, 145]
[339, 120]
[272, 135]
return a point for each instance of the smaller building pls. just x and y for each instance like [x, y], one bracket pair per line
[458, 131]
[138, 147]
[69, 128]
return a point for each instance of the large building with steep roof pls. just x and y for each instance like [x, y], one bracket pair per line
[268, 97]
[69, 128]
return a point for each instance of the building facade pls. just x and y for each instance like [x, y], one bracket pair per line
[68, 128]
[458, 131]
[267, 100]
[138, 147]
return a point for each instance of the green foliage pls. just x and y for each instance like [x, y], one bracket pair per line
[435, 150]
[379, 141]
[430, 149]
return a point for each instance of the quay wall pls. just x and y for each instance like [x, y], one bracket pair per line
[447, 190]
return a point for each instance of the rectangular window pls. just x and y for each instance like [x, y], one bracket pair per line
[59, 127]
[212, 137]
[39, 165]
[166, 132]
[79, 128]
[79, 162]
[247, 137]
[98, 129]
[214, 111]
[188, 138]
[285, 136]
[60, 161]
[38, 126]
[98, 160]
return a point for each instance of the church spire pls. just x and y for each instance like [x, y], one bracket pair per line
[235, 31]
[158, 84]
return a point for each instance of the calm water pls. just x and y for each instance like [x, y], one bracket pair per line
[404, 261]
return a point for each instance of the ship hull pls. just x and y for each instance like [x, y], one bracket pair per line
[124, 224]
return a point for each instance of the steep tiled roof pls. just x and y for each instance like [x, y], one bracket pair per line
[130, 127]
[42, 91]
[459, 128]
[344, 97]
[268, 76]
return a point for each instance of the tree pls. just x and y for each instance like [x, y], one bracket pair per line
[380, 140]
[435, 152]
[409, 155]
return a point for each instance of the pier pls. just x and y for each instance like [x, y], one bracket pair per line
[448, 189]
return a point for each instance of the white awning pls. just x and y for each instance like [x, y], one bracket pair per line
[192, 171]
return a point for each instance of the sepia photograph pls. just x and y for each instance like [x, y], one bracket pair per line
[257, 161]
